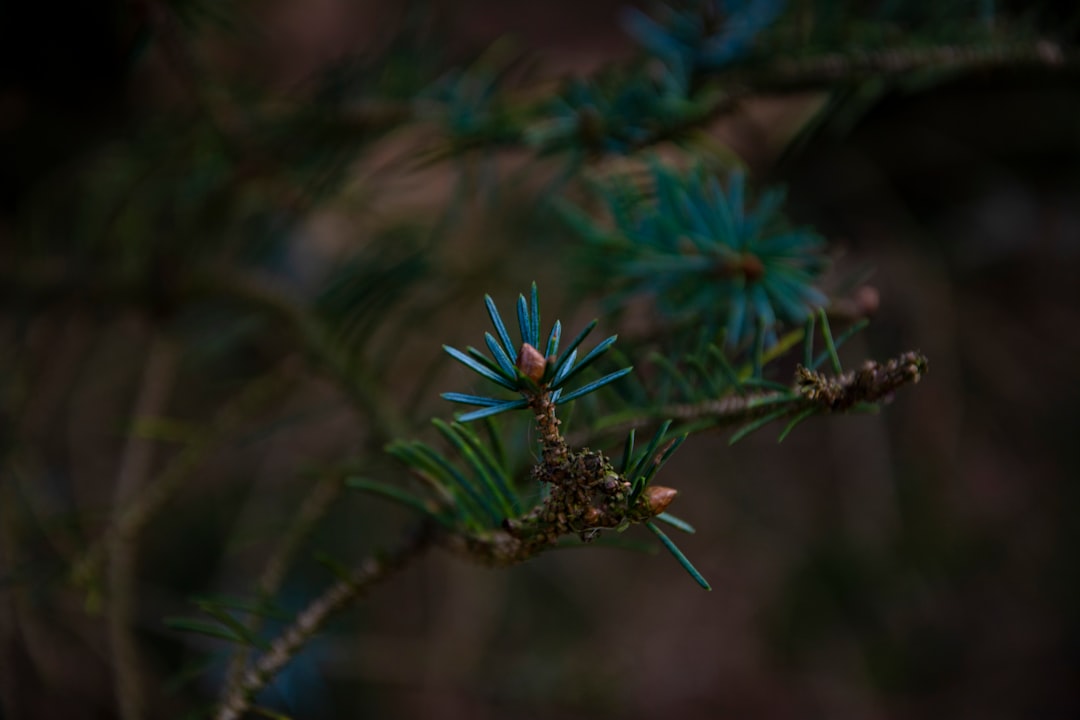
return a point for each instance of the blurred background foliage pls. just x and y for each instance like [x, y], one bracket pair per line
[233, 237]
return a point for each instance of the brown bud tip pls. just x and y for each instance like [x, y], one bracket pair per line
[867, 300]
[752, 267]
[659, 497]
[531, 363]
[591, 516]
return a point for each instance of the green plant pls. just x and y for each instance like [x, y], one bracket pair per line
[185, 264]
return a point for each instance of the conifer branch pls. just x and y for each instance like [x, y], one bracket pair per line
[813, 391]
[554, 446]
[585, 494]
[159, 375]
[828, 70]
[352, 375]
[313, 508]
[133, 513]
[871, 383]
[238, 696]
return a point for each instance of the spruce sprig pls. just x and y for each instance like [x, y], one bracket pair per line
[525, 370]
[706, 253]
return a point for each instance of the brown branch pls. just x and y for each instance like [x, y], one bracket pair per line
[58, 280]
[585, 494]
[158, 377]
[873, 382]
[366, 575]
[315, 505]
[352, 375]
[144, 502]
[554, 446]
[821, 71]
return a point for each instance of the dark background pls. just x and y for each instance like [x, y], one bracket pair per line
[918, 563]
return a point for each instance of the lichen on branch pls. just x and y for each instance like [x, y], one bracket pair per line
[584, 495]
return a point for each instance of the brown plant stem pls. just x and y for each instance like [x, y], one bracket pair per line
[585, 494]
[552, 441]
[373, 570]
[142, 503]
[158, 377]
[354, 376]
[871, 383]
[826, 70]
[57, 281]
[315, 505]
